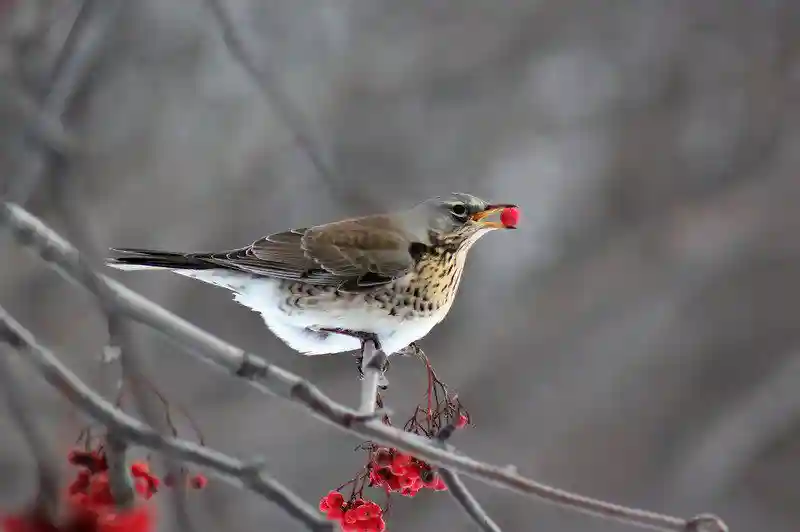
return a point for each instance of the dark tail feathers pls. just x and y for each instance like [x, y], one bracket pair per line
[157, 259]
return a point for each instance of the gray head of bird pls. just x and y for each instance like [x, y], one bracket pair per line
[457, 220]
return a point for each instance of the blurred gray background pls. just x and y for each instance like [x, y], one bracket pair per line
[635, 340]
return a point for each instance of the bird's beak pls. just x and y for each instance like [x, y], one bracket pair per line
[480, 217]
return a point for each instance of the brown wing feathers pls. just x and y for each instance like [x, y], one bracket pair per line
[352, 254]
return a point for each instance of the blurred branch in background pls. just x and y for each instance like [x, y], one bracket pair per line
[277, 99]
[82, 48]
[41, 127]
[268, 378]
[771, 406]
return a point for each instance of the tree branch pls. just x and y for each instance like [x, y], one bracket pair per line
[121, 425]
[464, 498]
[49, 488]
[459, 491]
[270, 379]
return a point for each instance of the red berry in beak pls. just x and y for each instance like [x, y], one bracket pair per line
[509, 217]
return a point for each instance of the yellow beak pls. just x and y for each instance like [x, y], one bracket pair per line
[481, 216]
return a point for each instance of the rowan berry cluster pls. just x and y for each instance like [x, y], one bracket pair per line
[402, 473]
[356, 515]
[90, 504]
[394, 471]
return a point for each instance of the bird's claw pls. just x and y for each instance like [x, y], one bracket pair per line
[414, 350]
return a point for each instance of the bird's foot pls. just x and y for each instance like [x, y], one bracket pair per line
[365, 337]
[413, 349]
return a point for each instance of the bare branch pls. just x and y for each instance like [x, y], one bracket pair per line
[270, 90]
[78, 55]
[273, 380]
[462, 495]
[459, 491]
[48, 489]
[235, 471]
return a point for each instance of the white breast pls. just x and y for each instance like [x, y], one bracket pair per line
[298, 327]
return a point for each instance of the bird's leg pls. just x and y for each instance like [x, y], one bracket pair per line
[364, 337]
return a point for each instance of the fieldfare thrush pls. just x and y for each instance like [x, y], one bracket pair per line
[326, 289]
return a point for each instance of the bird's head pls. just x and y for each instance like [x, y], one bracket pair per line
[459, 219]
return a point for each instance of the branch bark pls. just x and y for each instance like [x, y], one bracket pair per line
[270, 379]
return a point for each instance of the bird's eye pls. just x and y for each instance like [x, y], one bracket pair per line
[459, 210]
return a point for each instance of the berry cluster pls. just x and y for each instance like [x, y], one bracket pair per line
[402, 473]
[356, 515]
[92, 479]
[90, 502]
[393, 471]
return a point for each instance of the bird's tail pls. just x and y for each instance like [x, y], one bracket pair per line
[148, 259]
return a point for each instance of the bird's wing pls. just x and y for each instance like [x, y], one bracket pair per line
[355, 254]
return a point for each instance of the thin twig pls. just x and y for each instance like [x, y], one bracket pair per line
[48, 489]
[459, 491]
[235, 471]
[270, 379]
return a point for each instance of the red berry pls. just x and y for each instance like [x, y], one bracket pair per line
[335, 499]
[412, 471]
[199, 482]
[401, 460]
[140, 469]
[462, 421]
[335, 513]
[439, 485]
[323, 505]
[372, 510]
[362, 513]
[394, 484]
[350, 516]
[509, 217]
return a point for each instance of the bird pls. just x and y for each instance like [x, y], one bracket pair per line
[327, 289]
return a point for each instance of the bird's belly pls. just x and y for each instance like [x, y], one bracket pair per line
[296, 313]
